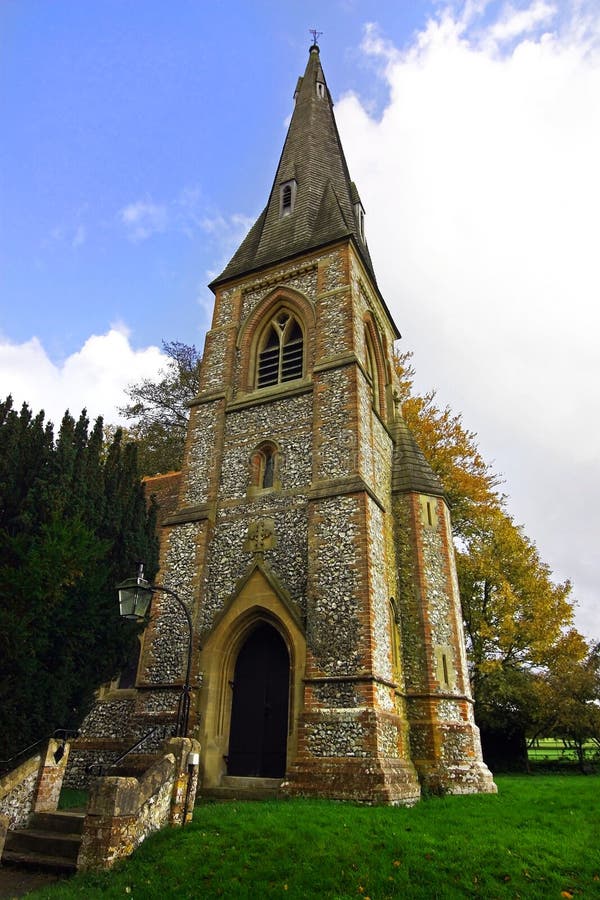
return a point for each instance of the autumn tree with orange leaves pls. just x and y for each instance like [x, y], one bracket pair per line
[518, 621]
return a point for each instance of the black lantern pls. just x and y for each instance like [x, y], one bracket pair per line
[135, 596]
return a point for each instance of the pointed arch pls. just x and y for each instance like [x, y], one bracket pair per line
[276, 341]
[259, 599]
[259, 721]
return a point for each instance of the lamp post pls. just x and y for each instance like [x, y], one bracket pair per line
[135, 597]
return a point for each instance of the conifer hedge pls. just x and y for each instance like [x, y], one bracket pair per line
[73, 523]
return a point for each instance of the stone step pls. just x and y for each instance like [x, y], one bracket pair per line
[247, 782]
[235, 787]
[39, 861]
[43, 843]
[64, 822]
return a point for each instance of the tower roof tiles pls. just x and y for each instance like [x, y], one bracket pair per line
[411, 473]
[324, 205]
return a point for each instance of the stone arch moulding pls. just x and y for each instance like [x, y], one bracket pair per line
[251, 330]
[258, 599]
[373, 336]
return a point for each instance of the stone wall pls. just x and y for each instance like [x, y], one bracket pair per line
[34, 785]
[122, 812]
[17, 792]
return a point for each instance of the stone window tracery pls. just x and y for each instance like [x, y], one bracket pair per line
[281, 351]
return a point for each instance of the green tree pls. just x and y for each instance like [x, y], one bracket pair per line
[73, 522]
[574, 702]
[158, 410]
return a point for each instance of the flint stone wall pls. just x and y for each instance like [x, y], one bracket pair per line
[122, 812]
[288, 422]
[17, 792]
[335, 633]
[337, 733]
[229, 561]
[202, 432]
[168, 652]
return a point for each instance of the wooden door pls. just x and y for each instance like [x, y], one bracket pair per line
[259, 712]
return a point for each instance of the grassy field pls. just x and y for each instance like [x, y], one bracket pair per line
[550, 750]
[538, 838]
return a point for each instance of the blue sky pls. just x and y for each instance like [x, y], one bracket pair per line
[140, 139]
[179, 107]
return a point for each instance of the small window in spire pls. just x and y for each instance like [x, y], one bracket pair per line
[287, 197]
[360, 219]
[320, 90]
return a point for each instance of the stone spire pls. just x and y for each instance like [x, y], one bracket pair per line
[322, 204]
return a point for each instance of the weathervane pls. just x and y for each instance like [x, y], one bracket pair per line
[316, 35]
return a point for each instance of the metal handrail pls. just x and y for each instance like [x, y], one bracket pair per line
[60, 734]
[100, 769]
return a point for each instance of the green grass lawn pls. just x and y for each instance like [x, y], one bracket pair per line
[539, 837]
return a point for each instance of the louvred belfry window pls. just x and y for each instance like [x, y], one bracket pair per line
[282, 353]
[286, 199]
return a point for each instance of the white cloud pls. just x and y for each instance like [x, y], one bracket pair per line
[227, 233]
[67, 234]
[79, 237]
[516, 22]
[482, 189]
[143, 219]
[188, 213]
[94, 377]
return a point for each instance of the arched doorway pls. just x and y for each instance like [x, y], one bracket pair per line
[259, 711]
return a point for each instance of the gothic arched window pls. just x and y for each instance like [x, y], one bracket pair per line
[372, 371]
[281, 351]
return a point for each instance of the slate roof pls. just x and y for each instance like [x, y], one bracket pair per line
[410, 471]
[325, 197]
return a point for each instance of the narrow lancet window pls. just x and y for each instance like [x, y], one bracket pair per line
[269, 468]
[264, 468]
[372, 372]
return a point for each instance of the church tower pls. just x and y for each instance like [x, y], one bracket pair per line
[311, 540]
